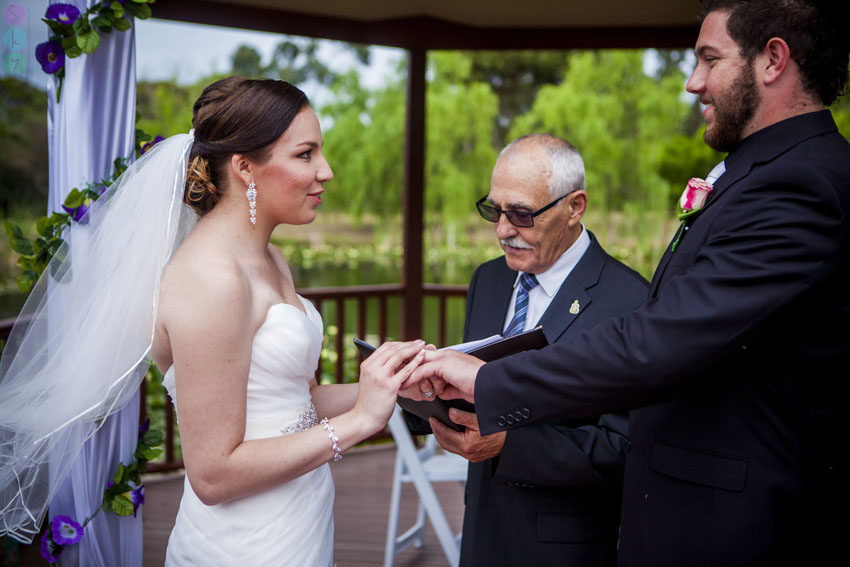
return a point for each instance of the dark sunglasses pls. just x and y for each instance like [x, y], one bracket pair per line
[521, 219]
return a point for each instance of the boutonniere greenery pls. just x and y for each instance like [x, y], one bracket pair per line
[695, 196]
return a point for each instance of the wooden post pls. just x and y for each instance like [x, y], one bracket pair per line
[413, 201]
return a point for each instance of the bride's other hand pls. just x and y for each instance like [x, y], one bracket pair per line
[381, 375]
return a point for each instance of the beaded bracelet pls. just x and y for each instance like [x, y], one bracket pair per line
[330, 429]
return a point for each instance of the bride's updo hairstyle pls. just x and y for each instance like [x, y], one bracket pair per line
[235, 116]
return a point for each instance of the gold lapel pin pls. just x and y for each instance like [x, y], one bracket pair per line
[574, 307]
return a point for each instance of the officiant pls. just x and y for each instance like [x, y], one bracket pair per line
[548, 494]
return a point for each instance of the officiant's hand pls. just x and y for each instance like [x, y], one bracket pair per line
[381, 376]
[469, 444]
[450, 371]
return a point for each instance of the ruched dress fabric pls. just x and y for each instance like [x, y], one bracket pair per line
[290, 524]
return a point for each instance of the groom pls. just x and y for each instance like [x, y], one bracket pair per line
[733, 367]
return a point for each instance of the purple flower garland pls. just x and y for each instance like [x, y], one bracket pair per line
[73, 33]
[124, 495]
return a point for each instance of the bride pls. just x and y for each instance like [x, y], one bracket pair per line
[239, 345]
[242, 347]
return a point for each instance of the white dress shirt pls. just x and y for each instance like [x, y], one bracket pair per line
[716, 172]
[549, 281]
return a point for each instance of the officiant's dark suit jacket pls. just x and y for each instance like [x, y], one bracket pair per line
[738, 362]
[553, 496]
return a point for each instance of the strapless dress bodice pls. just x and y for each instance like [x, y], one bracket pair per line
[284, 357]
[290, 524]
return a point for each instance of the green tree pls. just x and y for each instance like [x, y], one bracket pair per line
[366, 141]
[23, 148]
[295, 59]
[670, 61]
[247, 62]
[619, 118]
[165, 107]
[461, 112]
[515, 77]
[841, 113]
[365, 146]
[682, 158]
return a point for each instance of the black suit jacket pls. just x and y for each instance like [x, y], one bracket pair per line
[553, 496]
[739, 453]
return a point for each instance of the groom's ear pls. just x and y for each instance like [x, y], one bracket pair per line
[242, 168]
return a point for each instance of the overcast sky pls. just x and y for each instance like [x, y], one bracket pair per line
[187, 52]
[168, 50]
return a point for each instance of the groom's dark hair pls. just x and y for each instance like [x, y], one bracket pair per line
[816, 32]
[236, 116]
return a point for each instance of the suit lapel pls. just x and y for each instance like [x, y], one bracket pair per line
[572, 297]
[737, 168]
[761, 147]
[490, 321]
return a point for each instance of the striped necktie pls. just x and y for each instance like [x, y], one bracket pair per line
[526, 283]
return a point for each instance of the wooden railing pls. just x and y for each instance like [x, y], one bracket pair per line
[369, 312]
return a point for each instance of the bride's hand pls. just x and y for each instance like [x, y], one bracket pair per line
[381, 375]
[426, 390]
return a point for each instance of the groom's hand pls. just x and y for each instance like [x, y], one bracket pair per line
[451, 372]
[469, 444]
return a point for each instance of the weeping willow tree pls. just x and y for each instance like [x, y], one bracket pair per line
[365, 143]
[620, 118]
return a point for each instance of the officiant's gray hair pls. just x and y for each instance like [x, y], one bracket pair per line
[564, 160]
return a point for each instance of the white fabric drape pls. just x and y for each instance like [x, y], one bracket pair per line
[92, 125]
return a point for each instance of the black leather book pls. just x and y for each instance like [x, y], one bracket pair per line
[488, 349]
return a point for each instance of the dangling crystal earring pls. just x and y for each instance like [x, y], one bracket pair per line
[251, 193]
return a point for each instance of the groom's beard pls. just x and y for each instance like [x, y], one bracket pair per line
[733, 110]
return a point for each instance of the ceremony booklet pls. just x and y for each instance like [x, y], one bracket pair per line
[491, 348]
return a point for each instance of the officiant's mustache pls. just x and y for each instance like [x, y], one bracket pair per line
[515, 241]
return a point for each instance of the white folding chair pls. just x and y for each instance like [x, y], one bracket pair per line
[421, 467]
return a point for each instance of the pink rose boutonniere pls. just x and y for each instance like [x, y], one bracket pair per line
[693, 199]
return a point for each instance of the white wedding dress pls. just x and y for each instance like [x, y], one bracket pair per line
[291, 524]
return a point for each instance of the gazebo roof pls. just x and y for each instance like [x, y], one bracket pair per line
[453, 24]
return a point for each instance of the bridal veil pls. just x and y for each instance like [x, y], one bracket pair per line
[81, 345]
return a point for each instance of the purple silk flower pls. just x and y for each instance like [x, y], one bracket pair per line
[66, 531]
[50, 56]
[137, 497]
[152, 143]
[63, 13]
[143, 428]
[77, 213]
[49, 550]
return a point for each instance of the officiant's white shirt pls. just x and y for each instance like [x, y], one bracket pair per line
[549, 281]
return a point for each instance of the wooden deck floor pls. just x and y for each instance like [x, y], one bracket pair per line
[363, 480]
